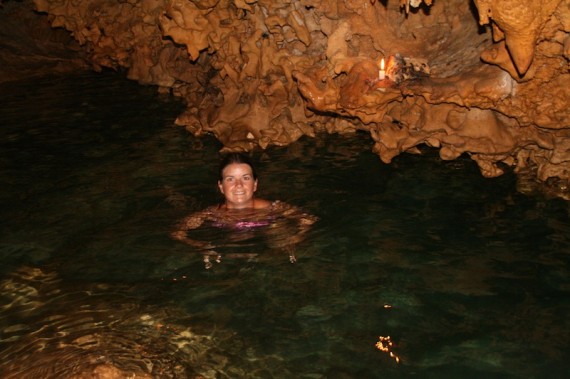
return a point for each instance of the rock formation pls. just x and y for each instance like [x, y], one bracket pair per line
[486, 78]
[29, 47]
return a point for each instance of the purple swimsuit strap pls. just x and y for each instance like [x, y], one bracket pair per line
[242, 224]
[251, 224]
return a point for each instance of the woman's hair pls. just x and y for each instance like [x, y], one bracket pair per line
[231, 158]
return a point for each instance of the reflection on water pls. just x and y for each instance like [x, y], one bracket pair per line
[96, 329]
[425, 261]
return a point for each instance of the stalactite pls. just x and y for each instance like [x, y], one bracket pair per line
[259, 73]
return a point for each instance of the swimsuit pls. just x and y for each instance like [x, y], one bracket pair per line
[251, 224]
[243, 225]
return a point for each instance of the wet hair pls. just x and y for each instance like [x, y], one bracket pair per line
[231, 158]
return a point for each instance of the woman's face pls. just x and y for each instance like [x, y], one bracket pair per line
[238, 185]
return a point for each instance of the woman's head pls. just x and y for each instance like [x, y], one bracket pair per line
[238, 181]
[235, 158]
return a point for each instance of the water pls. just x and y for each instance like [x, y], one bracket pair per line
[454, 275]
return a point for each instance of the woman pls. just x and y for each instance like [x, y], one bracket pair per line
[241, 210]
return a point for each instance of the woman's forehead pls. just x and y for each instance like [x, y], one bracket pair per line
[235, 169]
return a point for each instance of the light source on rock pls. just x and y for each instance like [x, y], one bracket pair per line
[382, 72]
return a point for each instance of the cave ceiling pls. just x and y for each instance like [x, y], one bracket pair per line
[485, 78]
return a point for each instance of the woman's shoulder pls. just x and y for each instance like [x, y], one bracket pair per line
[262, 204]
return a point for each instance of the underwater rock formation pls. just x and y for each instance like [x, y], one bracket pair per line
[489, 78]
[54, 329]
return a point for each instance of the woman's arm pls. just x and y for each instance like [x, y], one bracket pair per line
[194, 221]
[304, 220]
[287, 236]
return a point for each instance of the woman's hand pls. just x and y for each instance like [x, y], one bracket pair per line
[182, 236]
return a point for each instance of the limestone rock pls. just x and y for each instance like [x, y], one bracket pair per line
[257, 73]
[520, 23]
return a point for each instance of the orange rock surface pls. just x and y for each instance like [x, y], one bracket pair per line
[489, 79]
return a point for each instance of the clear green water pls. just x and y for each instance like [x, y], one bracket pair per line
[469, 278]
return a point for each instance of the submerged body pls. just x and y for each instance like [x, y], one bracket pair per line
[241, 211]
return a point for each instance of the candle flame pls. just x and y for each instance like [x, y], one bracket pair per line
[382, 64]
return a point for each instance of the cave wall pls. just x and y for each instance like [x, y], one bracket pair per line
[31, 48]
[486, 78]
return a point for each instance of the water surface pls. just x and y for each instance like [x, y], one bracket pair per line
[458, 276]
